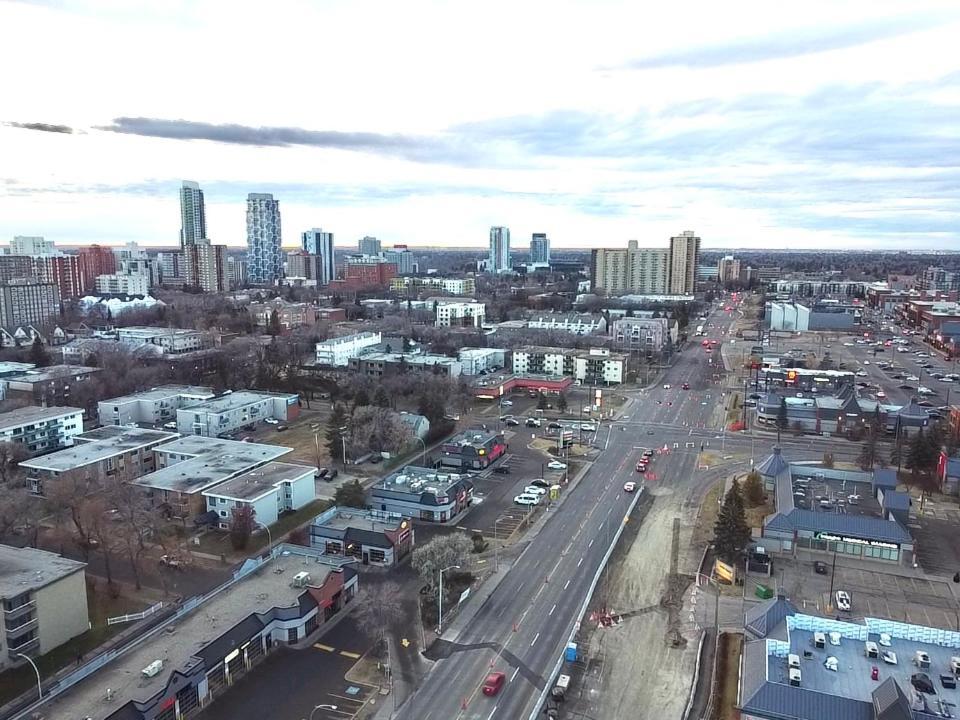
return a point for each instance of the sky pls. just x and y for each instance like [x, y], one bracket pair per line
[809, 124]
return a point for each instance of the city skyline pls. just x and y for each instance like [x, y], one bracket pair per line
[764, 129]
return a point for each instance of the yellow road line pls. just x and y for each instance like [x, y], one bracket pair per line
[318, 646]
[355, 656]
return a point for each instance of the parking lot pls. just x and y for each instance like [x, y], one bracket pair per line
[875, 591]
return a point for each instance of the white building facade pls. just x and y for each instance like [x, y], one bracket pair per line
[264, 257]
[458, 313]
[270, 490]
[337, 352]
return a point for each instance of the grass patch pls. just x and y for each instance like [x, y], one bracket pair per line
[284, 525]
[709, 509]
[101, 606]
[728, 675]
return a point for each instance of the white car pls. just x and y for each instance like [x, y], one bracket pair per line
[629, 487]
[947, 379]
[866, 362]
[506, 403]
[667, 386]
[586, 427]
[861, 373]
[848, 344]
[527, 499]
[534, 490]
[913, 378]
[271, 421]
[556, 465]
[843, 600]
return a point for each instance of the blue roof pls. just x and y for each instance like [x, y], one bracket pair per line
[895, 500]
[787, 702]
[859, 526]
[953, 467]
[763, 617]
[884, 478]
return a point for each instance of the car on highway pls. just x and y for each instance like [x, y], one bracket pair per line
[629, 486]
[534, 490]
[641, 466]
[843, 600]
[647, 453]
[556, 465]
[667, 386]
[587, 427]
[866, 362]
[685, 386]
[911, 378]
[527, 499]
[493, 683]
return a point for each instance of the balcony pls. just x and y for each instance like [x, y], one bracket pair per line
[24, 647]
[19, 610]
[19, 630]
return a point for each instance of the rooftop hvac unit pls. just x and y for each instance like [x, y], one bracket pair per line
[152, 669]
[795, 677]
[834, 638]
[921, 660]
[832, 664]
[300, 580]
[819, 640]
[870, 649]
[793, 660]
[955, 665]
[400, 479]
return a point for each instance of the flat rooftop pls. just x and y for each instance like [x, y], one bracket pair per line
[418, 479]
[213, 461]
[255, 483]
[98, 444]
[147, 331]
[232, 401]
[339, 518]
[162, 392]
[52, 373]
[32, 414]
[23, 569]
[478, 437]
[258, 592]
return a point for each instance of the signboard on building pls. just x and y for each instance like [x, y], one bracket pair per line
[724, 572]
[830, 537]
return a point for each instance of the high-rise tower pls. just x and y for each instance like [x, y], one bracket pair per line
[264, 259]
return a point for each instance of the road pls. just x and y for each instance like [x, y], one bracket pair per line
[523, 626]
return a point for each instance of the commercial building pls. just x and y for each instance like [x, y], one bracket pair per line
[33, 245]
[117, 284]
[211, 642]
[44, 601]
[499, 258]
[476, 361]
[318, 242]
[646, 335]
[192, 464]
[206, 266]
[422, 494]
[40, 429]
[453, 312]
[794, 317]
[376, 538]
[380, 364]
[336, 352]
[540, 249]
[95, 260]
[502, 385]
[815, 287]
[290, 315]
[172, 341]
[193, 215]
[473, 449]
[368, 245]
[596, 366]
[229, 413]
[264, 258]
[574, 323]
[809, 667]
[48, 386]
[97, 454]
[446, 285]
[684, 257]
[271, 490]
[402, 257]
[23, 302]
[152, 407]
[814, 512]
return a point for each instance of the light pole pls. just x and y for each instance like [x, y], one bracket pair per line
[496, 549]
[269, 540]
[423, 457]
[322, 707]
[30, 660]
[440, 599]
[343, 441]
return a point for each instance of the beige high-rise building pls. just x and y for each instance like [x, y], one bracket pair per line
[728, 270]
[206, 266]
[644, 271]
[684, 255]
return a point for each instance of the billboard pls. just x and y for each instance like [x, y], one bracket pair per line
[724, 572]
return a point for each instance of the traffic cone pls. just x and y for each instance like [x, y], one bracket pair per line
[546, 579]
[463, 705]
[515, 628]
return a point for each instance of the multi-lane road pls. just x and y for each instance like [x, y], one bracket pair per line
[523, 626]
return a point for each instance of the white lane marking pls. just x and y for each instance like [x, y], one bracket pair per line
[580, 562]
[516, 670]
[566, 584]
[590, 544]
[491, 713]
[553, 608]
[535, 638]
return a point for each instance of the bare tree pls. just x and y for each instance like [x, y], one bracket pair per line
[441, 552]
[378, 606]
[10, 456]
[69, 496]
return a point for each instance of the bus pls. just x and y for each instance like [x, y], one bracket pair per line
[699, 330]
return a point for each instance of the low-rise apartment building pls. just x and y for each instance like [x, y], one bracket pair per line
[40, 429]
[290, 315]
[171, 340]
[422, 494]
[192, 464]
[97, 454]
[575, 323]
[271, 490]
[49, 386]
[446, 285]
[152, 407]
[44, 602]
[646, 335]
[596, 366]
[456, 312]
[337, 352]
[476, 361]
[379, 364]
[229, 413]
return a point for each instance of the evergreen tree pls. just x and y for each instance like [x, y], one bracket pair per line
[562, 402]
[917, 452]
[338, 419]
[380, 397]
[731, 534]
[827, 460]
[361, 398]
[753, 489]
[782, 419]
[273, 326]
[868, 453]
[38, 353]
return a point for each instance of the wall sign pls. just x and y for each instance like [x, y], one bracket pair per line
[854, 541]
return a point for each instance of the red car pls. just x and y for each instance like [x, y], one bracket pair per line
[493, 683]
[686, 386]
[641, 467]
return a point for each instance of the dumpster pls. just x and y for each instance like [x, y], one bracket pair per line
[763, 592]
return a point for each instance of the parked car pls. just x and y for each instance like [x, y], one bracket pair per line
[629, 487]
[527, 499]
[540, 483]
[171, 561]
[843, 600]
[502, 470]
[281, 428]
[321, 473]
[512, 422]
[556, 465]
[820, 568]
[493, 683]
[534, 490]
[506, 403]
[271, 421]
[333, 475]
[534, 422]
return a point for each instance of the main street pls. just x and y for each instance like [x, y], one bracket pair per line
[524, 624]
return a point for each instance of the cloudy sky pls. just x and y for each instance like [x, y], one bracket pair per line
[757, 124]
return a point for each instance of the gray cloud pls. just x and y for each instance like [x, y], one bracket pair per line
[411, 147]
[777, 46]
[42, 127]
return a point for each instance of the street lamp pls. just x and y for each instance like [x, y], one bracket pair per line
[440, 600]
[343, 441]
[423, 457]
[30, 660]
[269, 540]
[322, 707]
[496, 549]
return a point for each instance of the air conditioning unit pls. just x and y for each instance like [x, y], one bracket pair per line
[152, 669]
